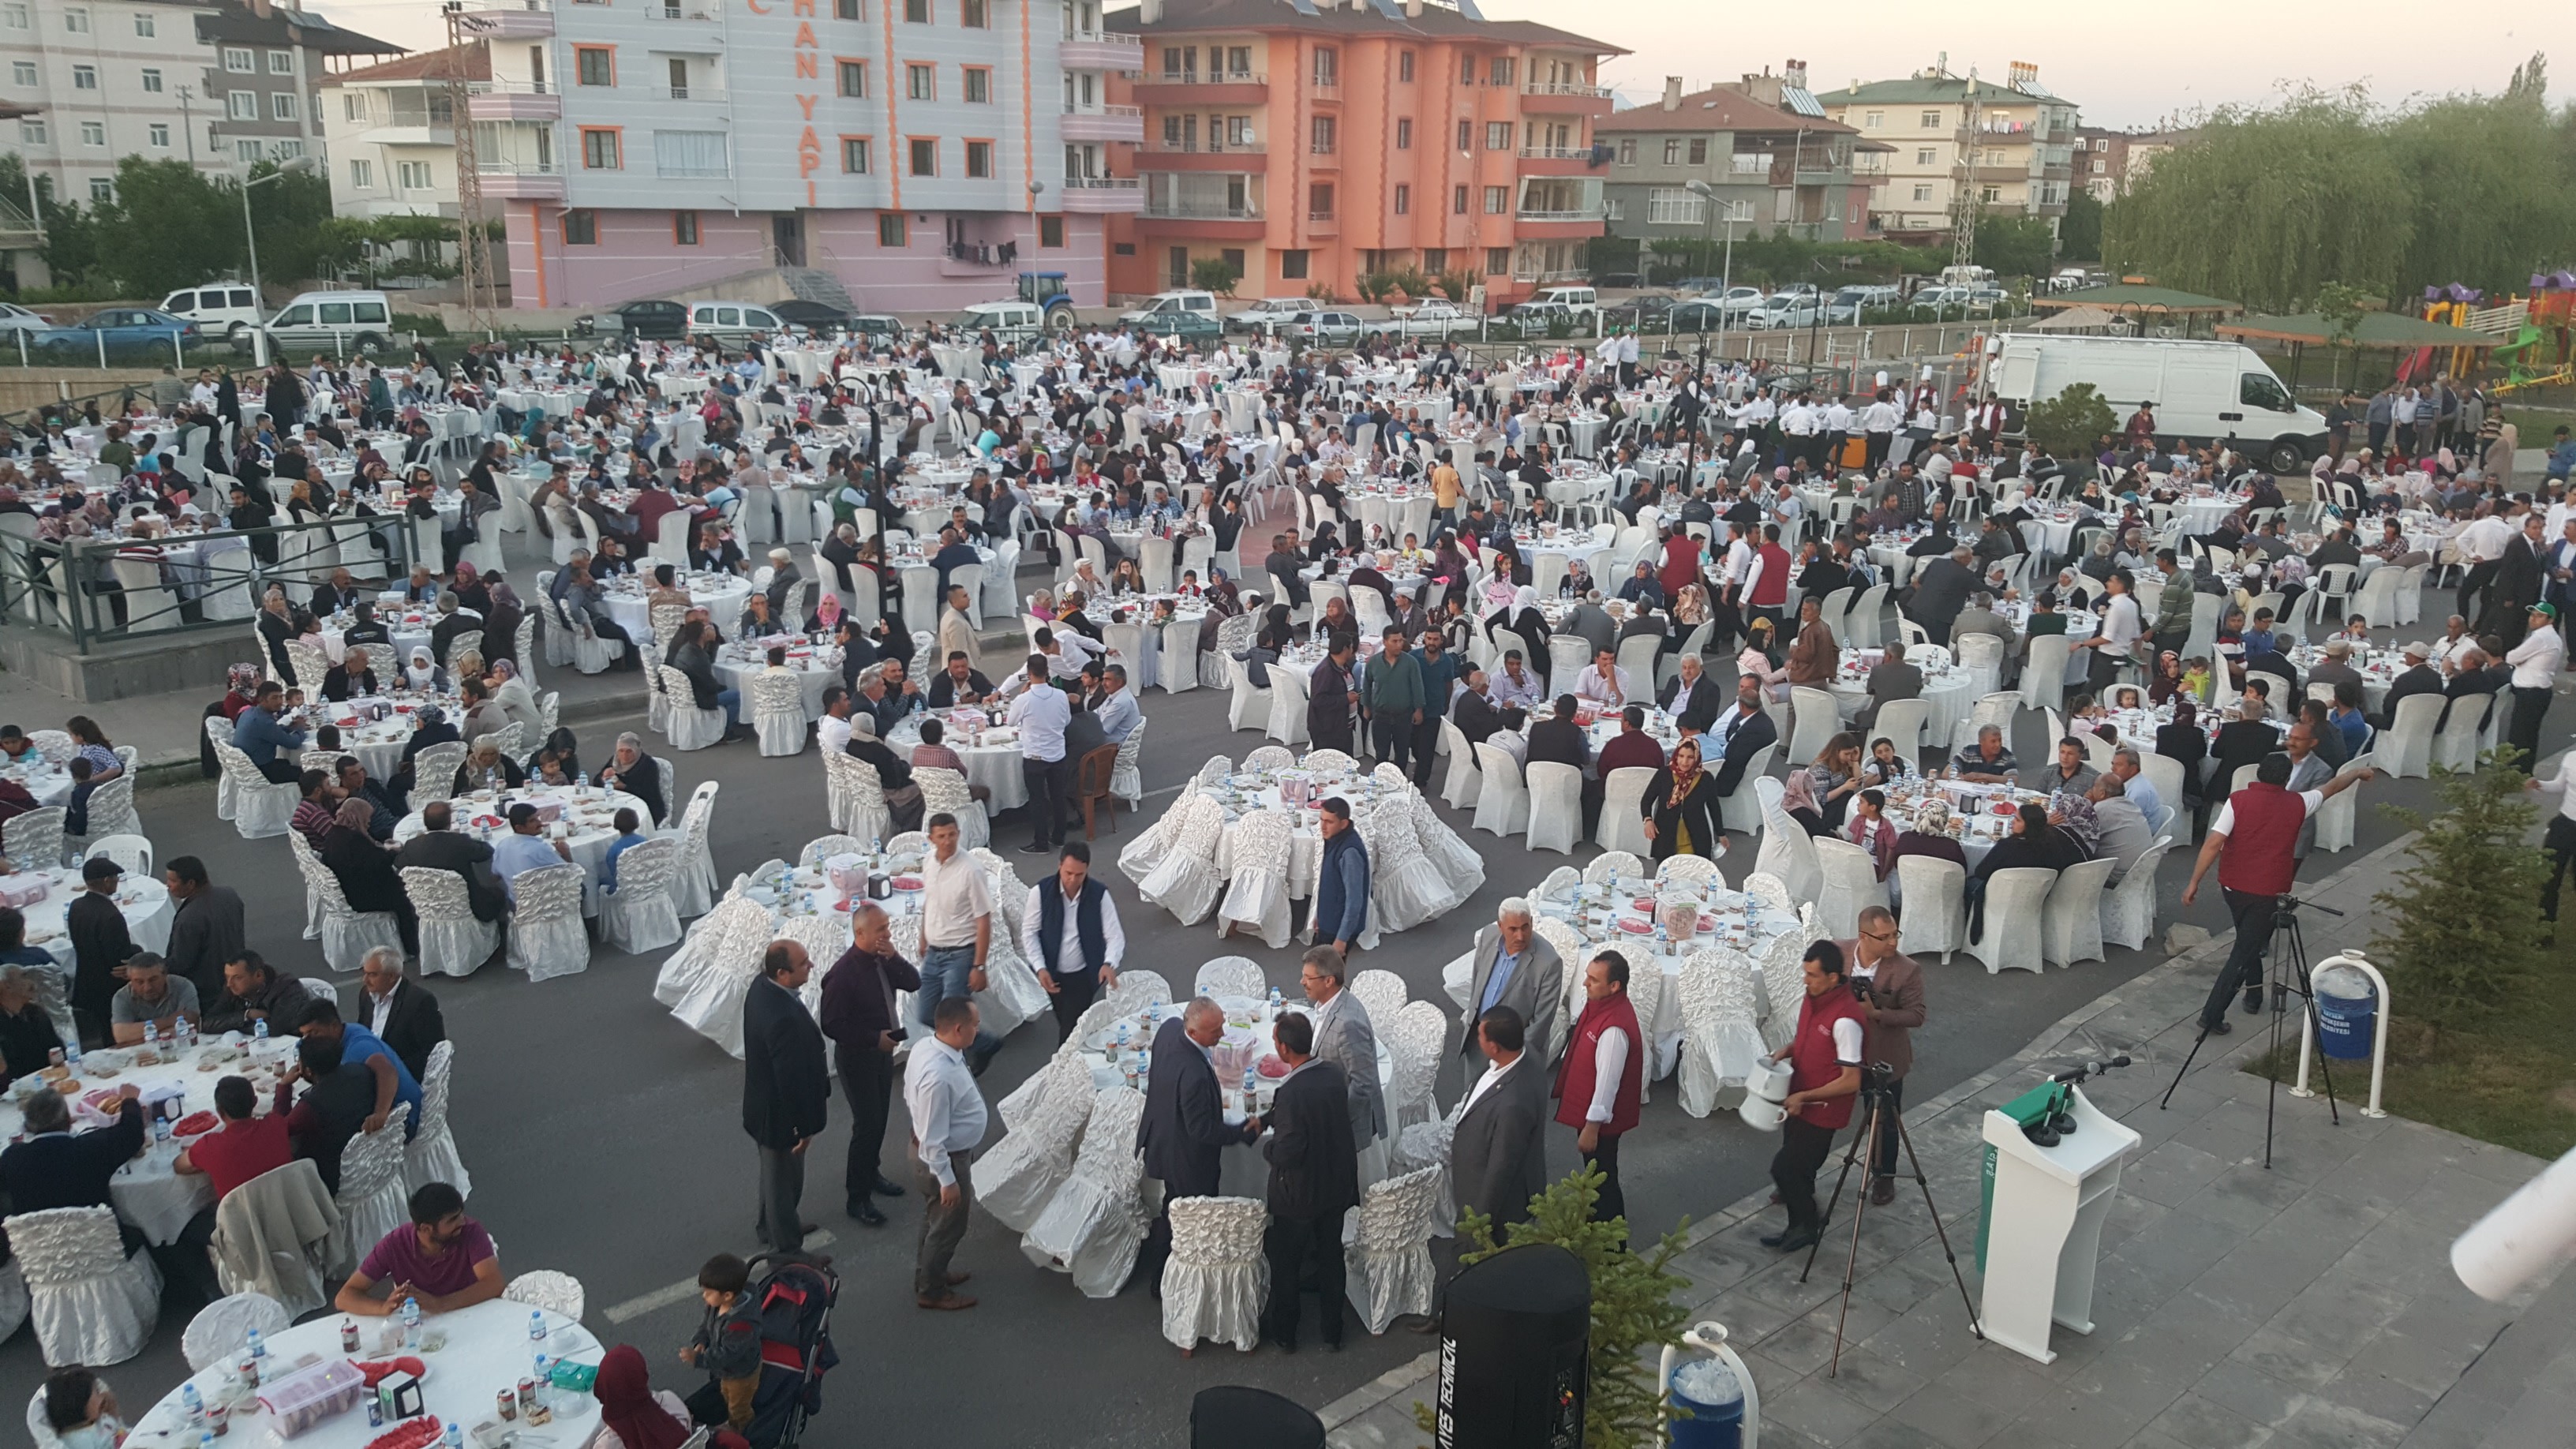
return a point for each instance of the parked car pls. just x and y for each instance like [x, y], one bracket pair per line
[1188, 326]
[1739, 301]
[659, 320]
[874, 324]
[814, 317]
[1005, 320]
[228, 309]
[125, 329]
[1267, 313]
[733, 321]
[1329, 329]
[1785, 309]
[1184, 300]
[14, 318]
[1429, 319]
[339, 322]
[1850, 302]
[1537, 319]
[1696, 316]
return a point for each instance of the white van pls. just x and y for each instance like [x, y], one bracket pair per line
[1582, 303]
[1007, 321]
[1202, 303]
[346, 323]
[732, 320]
[220, 309]
[2199, 390]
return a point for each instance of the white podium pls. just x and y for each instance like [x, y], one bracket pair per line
[2042, 1228]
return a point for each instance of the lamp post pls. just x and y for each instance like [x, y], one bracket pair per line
[293, 165]
[1726, 275]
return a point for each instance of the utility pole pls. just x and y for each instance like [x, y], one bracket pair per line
[1964, 205]
[188, 123]
[473, 252]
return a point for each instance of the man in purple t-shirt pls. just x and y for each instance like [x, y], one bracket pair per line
[443, 1258]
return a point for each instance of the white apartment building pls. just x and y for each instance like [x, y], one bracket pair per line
[2013, 141]
[392, 144]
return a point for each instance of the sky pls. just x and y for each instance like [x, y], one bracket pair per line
[2131, 67]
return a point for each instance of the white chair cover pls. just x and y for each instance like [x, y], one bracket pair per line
[2016, 913]
[1721, 1036]
[1216, 1281]
[1851, 886]
[1093, 1225]
[1269, 757]
[946, 792]
[111, 811]
[2129, 908]
[222, 1328]
[1503, 802]
[372, 1200]
[1246, 707]
[689, 727]
[1382, 992]
[1185, 882]
[778, 713]
[694, 890]
[1127, 776]
[1388, 1257]
[639, 915]
[260, 808]
[1016, 1177]
[432, 1155]
[1405, 888]
[1623, 828]
[347, 935]
[1615, 865]
[452, 942]
[2406, 746]
[91, 1303]
[1458, 789]
[546, 934]
[1233, 976]
[862, 810]
[1783, 980]
[547, 1289]
[1555, 806]
[1460, 866]
[1742, 811]
[1935, 915]
[1415, 1033]
[2072, 918]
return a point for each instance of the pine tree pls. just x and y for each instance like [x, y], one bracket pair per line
[2464, 933]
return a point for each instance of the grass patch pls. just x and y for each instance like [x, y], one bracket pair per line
[2509, 1078]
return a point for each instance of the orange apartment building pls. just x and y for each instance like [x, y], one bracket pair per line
[1312, 142]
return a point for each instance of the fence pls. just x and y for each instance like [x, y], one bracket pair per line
[102, 591]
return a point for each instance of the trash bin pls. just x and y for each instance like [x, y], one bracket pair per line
[2347, 1013]
[1707, 1387]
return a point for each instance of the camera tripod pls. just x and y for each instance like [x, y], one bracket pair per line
[2288, 974]
[1876, 1107]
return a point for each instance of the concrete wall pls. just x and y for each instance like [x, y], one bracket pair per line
[23, 389]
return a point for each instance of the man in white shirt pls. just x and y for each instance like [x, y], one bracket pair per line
[1600, 1093]
[1514, 686]
[1879, 421]
[956, 932]
[1071, 937]
[948, 1121]
[2560, 841]
[832, 731]
[1602, 681]
[2535, 663]
[1040, 714]
[525, 848]
[2117, 634]
[2481, 543]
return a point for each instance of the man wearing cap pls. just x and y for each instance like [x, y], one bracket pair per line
[2336, 668]
[2418, 677]
[525, 848]
[100, 945]
[783, 579]
[2535, 663]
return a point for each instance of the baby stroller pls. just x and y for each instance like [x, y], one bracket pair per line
[795, 1296]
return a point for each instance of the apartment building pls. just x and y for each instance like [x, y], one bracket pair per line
[2012, 142]
[391, 132]
[1311, 144]
[893, 154]
[217, 85]
[1762, 144]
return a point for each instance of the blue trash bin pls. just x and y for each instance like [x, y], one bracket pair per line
[1716, 1421]
[2347, 1013]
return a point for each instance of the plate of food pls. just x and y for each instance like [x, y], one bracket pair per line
[1634, 926]
[195, 1124]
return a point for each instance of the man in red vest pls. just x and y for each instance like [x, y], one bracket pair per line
[1824, 1074]
[1603, 1076]
[1766, 592]
[2254, 843]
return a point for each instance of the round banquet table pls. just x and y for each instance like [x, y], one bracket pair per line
[409, 627]
[1246, 791]
[1595, 913]
[1972, 810]
[1950, 690]
[1571, 543]
[1120, 1052]
[590, 834]
[721, 595]
[992, 758]
[815, 667]
[1161, 649]
[378, 744]
[50, 784]
[144, 899]
[2202, 512]
[486, 1348]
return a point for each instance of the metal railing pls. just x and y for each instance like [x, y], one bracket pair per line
[518, 168]
[1101, 183]
[1073, 109]
[1200, 211]
[1212, 78]
[1588, 213]
[1563, 88]
[95, 591]
[1206, 148]
[1556, 153]
[688, 93]
[1108, 37]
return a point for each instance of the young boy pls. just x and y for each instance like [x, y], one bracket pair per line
[76, 810]
[728, 1343]
[626, 823]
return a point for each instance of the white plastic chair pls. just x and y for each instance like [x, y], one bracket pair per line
[91, 1304]
[546, 934]
[1503, 802]
[689, 727]
[132, 853]
[2015, 920]
[452, 941]
[1935, 915]
[1555, 806]
[2072, 918]
[1388, 1256]
[222, 1328]
[1216, 1280]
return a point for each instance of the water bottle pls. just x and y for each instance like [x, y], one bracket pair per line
[455, 1437]
[536, 1325]
[411, 1322]
[581, 785]
[205, 1439]
[257, 1348]
[195, 1405]
[151, 1032]
[160, 1128]
[1247, 1086]
[543, 1370]
[1274, 1003]
[72, 1056]
[259, 1030]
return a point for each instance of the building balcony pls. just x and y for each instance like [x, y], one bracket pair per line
[1535, 277]
[977, 259]
[705, 12]
[511, 19]
[1322, 224]
[515, 101]
[1555, 160]
[521, 180]
[1562, 98]
[1250, 159]
[1104, 123]
[1101, 50]
[1205, 220]
[1325, 90]
[1191, 91]
[1101, 195]
[1556, 225]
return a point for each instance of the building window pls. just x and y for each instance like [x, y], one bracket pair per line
[684, 228]
[975, 14]
[916, 12]
[1238, 60]
[94, 133]
[84, 77]
[1404, 135]
[281, 105]
[890, 229]
[1403, 200]
[1498, 199]
[1323, 136]
[362, 176]
[921, 82]
[854, 155]
[850, 9]
[100, 187]
[1328, 66]
[412, 175]
[14, 17]
[1613, 209]
[1458, 201]
[1502, 70]
[353, 105]
[1466, 70]
[1675, 206]
[32, 132]
[594, 65]
[1628, 151]
[1404, 66]
[979, 85]
[1051, 231]
[690, 153]
[1990, 195]
[599, 151]
[1466, 136]
[1498, 135]
[1435, 260]
[159, 136]
[281, 62]
[1672, 151]
[77, 22]
[23, 73]
[242, 105]
[979, 159]
[1872, 120]
[1319, 201]
[1931, 120]
[1292, 266]
[1498, 260]
[1926, 156]
[145, 26]
[581, 228]
[854, 77]
[152, 81]
[237, 60]
[925, 156]
[1699, 151]
[1923, 193]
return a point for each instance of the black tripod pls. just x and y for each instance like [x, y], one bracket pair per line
[2288, 975]
[1876, 1107]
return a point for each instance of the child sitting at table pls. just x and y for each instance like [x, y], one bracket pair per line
[76, 810]
[727, 1344]
[625, 823]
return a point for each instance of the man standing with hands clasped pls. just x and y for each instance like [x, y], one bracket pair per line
[786, 1093]
[1601, 1081]
[948, 1121]
[1889, 987]
[859, 1017]
[1075, 965]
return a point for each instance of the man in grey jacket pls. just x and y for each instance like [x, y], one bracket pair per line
[1345, 1037]
[1498, 1152]
[1511, 965]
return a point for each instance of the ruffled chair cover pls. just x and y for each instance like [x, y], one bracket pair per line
[1185, 882]
[432, 1155]
[1382, 992]
[546, 935]
[222, 1328]
[111, 810]
[863, 810]
[1011, 994]
[945, 792]
[1426, 1145]
[1721, 1037]
[1231, 634]
[1321, 760]
[347, 935]
[1093, 1224]
[639, 916]
[824, 939]
[371, 1199]
[778, 713]
[433, 773]
[1696, 871]
[1460, 866]
[261, 807]
[35, 836]
[452, 942]
[1405, 888]
[693, 890]
[1137, 990]
[1269, 757]
[1126, 775]
[91, 1303]
[688, 727]
[1571, 959]
[219, 737]
[704, 982]
[1256, 899]
[1388, 1255]
[917, 843]
[1560, 884]
[547, 1289]
[1216, 1281]
[1783, 979]
[13, 1299]
[1216, 768]
[1415, 1032]
[1066, 1071]
[1232, 976]
[823, 847]
[1015, 1179]
[1769, 890]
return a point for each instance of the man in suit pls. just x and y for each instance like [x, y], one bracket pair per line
[1183, 1134]
[1314, 1180]
[1498, 1151]
[1592, 623]
[1889, 679]
[1940, 593]
[859, 1016]
[2521, 574]
[638, 774]
[786, 1090]
[1692, 692]
[1345, 1037]
[1512, 965]
[100, 945]
[2418, 677]
[2242, 741]
[207, 931]
[1331, 707]
[439, 848]
[1477, 716]
[1740, 735]
[399, 1010]
[1890, 989]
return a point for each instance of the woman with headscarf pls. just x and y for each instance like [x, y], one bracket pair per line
[632, 1414]
[1680, 806]
[558, 746]
[1929, 836]
[364, 869]
[2033, 843]
[1337, 621]
[471, 593]
[501, 618]
[826, 617]
[1817, 796]
[486, 768]
[516, 700]
[422, 672]
[1761, 659]
[1524, 619]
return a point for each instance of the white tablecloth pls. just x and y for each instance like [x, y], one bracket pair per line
[1241, 794]
[817, 669]
[588, 838]
[1950, 692]
[144, 899]
[993, 763]
[1972, 809]
[50, 785]
[1127, 1061]
[721, 595]
[378, 744]
[1594, 915]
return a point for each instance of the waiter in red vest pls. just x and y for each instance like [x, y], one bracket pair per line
[1824, 1074]
[2254, 843]
[1766, 586]
[1603, 1077]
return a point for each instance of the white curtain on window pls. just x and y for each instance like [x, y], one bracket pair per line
[690, 153]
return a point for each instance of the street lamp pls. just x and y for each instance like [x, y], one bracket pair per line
[292, 166]
[1726, 276]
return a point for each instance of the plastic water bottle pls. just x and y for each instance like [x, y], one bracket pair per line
[259, 1029]
[258, 1349]
[455, 1436]
[543, 1370]
[160, 1128]
[151, 1032]
[1274, 1003]
[72, 1054]
[536, 1325]
[411, 1322]
[581, 785]
[1247, 1087]
[194, 1404]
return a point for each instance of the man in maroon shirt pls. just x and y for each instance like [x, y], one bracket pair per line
[1632, 747]
[243, 1147]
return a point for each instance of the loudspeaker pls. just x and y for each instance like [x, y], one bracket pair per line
[1515, 1344]
[1231, 1416]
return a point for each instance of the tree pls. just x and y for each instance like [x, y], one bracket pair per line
[291, 217]
[2079, 236]
[167, 227]
[1215, 274]
[2015, 246]
[2495, 199]
[1633, 1311]
[2464, 933]
[2070, 424]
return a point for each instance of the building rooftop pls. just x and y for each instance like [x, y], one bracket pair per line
[1434, 22]
[426, 65]
[1938, 90]
[1719, 108]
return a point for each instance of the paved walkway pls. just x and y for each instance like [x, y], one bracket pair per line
[2308, 1304]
